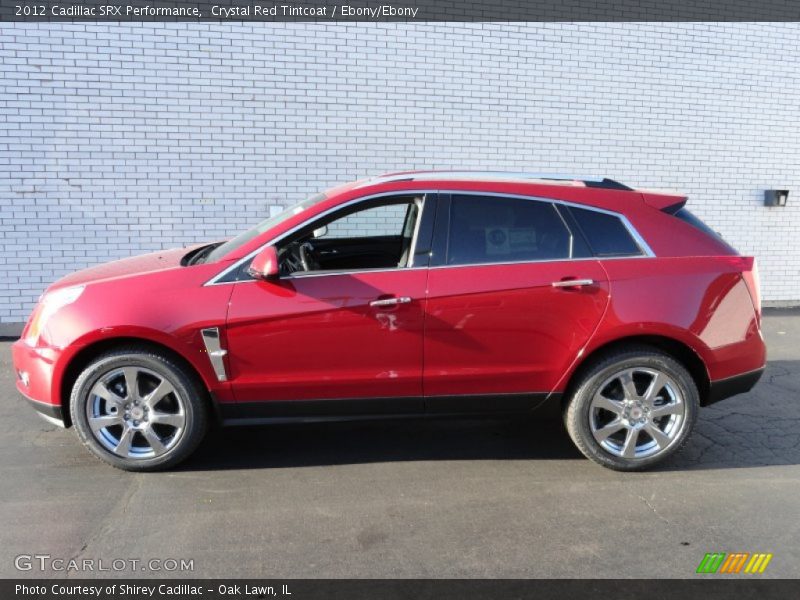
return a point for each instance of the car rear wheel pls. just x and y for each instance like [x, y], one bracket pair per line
[632, 409]
[138, 410]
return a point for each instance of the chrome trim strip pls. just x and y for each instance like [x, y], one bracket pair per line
[306, 275]
[647, 252]
[533, 262]
[415, 236]
[216, 354]
[569, 231]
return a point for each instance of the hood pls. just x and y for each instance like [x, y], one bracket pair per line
[146, 263]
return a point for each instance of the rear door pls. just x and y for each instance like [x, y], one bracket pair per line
[513, 294]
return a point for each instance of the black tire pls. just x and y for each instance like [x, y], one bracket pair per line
[580, 414]
[186, 399]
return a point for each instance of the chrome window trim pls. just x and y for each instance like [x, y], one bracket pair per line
[309, 274]
[569, 231]
[533, 262]
[412, 250]
[647, 252]
[215, 280]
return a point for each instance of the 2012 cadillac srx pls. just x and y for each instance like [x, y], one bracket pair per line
[414, 293]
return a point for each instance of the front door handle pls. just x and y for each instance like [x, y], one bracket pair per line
[572, 283]
[390, 301]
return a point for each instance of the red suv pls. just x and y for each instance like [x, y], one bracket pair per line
[414, 293]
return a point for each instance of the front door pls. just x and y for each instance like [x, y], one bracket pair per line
[327, 336]
[344, 325]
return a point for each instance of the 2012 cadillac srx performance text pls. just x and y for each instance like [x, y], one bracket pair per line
[414, 293]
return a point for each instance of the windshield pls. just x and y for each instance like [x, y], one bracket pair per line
[241, 239]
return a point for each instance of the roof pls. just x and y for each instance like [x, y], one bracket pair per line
[505, 176]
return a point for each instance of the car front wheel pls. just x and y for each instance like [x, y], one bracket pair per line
[138, 410]
[632, 409]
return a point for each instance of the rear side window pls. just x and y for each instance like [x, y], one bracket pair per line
[486, 229]
[606, 234]
[688, 217]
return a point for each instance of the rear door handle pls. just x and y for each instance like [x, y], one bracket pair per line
[390, 301]
[572, 283]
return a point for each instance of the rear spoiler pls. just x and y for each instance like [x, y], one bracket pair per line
[669, 203]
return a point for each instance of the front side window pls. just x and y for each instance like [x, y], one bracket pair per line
[372, 235]
[246, 236]
[378, 221]
[606, 234]
[486, 229]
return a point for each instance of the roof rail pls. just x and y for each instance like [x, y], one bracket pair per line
[588, 181]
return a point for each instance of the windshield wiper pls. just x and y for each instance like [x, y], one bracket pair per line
[199, 257]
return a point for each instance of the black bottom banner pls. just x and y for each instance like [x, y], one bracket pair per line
[400, 589]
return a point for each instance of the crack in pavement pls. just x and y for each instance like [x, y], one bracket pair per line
[109, 520]
[653, 508]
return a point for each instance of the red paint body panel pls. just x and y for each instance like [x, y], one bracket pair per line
[497, 329]
[317, 337]
[162, 303]
[701, 302]
[488, 329]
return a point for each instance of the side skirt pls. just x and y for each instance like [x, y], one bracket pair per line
[360, 409]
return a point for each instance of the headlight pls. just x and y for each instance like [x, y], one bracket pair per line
[47, 307]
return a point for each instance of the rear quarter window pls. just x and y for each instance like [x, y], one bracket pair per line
[606, 234]
[687, 216]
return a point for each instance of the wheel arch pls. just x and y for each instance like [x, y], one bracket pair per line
[88, 353]
[677, 349]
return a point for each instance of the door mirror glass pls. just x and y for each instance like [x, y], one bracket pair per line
[320, 232]
[265, 264]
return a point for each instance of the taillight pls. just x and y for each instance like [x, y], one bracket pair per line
[753, 282]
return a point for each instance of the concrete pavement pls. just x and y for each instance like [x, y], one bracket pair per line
[417, 498]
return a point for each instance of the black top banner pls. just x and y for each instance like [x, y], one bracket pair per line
[401, 10]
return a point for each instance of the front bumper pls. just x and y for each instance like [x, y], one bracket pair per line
[49, 412]
[34, 369]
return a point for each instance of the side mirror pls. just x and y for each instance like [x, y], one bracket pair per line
[265, 264]
[318, 233]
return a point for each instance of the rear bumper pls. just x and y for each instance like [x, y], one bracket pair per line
[731, 386]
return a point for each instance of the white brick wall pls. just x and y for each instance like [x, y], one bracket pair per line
[380, 220]
[121, 139]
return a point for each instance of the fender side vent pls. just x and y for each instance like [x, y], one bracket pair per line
[216, 353]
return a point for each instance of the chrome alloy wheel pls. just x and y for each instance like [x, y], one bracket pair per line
[637, 413]
[135, 413]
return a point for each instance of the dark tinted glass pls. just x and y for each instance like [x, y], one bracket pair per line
[685, 215]
[606, 234]
[495, 230]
